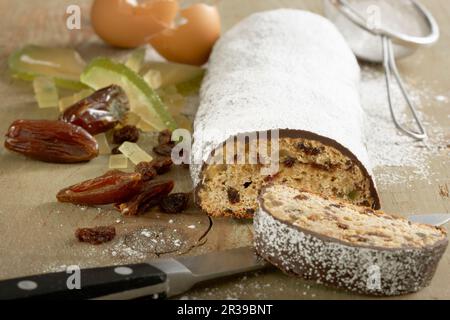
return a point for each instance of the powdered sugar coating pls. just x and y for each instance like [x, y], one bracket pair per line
[282, 69]
[370, 271]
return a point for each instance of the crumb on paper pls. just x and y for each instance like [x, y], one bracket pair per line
[443, 191]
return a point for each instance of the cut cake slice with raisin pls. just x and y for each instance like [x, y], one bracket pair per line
[343, 245]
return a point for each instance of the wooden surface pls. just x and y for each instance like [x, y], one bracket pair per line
[36, 233]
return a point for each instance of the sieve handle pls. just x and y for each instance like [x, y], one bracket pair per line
[390, 68]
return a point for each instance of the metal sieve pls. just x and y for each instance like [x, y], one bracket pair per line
[382, 31]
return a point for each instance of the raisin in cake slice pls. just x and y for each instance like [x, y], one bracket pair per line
[343, 245]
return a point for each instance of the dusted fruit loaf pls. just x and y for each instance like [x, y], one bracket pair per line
[343, 245]
[289, 71]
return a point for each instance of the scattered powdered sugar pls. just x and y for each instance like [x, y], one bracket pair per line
[387, 146]
[145, 242]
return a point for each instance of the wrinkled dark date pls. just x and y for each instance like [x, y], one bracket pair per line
[51, 141]
[96, 236]
[149, 197]
[99, 112]
[112, 187]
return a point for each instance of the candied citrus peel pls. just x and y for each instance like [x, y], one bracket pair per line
[136, 59]
[45, 92]
[63, 65]
[134, 153]
[103, 145]
[185, 78]
[118, 161]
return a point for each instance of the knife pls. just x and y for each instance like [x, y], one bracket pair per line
[157, 279]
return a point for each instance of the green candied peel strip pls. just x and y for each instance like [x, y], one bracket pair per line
[136, 59]
[60, 82]
[190, 87]
[186, 78]
[155, 104]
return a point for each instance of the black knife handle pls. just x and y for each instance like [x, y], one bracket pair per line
[116, 282]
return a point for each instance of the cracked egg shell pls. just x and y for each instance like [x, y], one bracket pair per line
[131, 23]
[190, 41]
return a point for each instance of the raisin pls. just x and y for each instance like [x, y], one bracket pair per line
[233, 195]
[365, 203]
[378, 234]
[127, 133]
[164, 150]
[146, 170]
[325, 167]
[289, 162]
[250, 211]
[301, 197]
[272, 178]
[116, 150]
[336, 205]
[174, 203]
[349, 165]
[96, 236]
[114, 186]
[162, 164]
[165, 137]
[309, 150]
[247, 184]
[99, 112]
[149, 197]
[343, 226]
[51, 141]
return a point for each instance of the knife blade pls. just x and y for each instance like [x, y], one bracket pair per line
[437, 220]
[185, 272]
[157, 279]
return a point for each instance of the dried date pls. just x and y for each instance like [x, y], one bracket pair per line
[149, 197]
[96, 236]
[112, 187]
[127, 133]
[51, 141]
[99, 112]
[174, 203]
